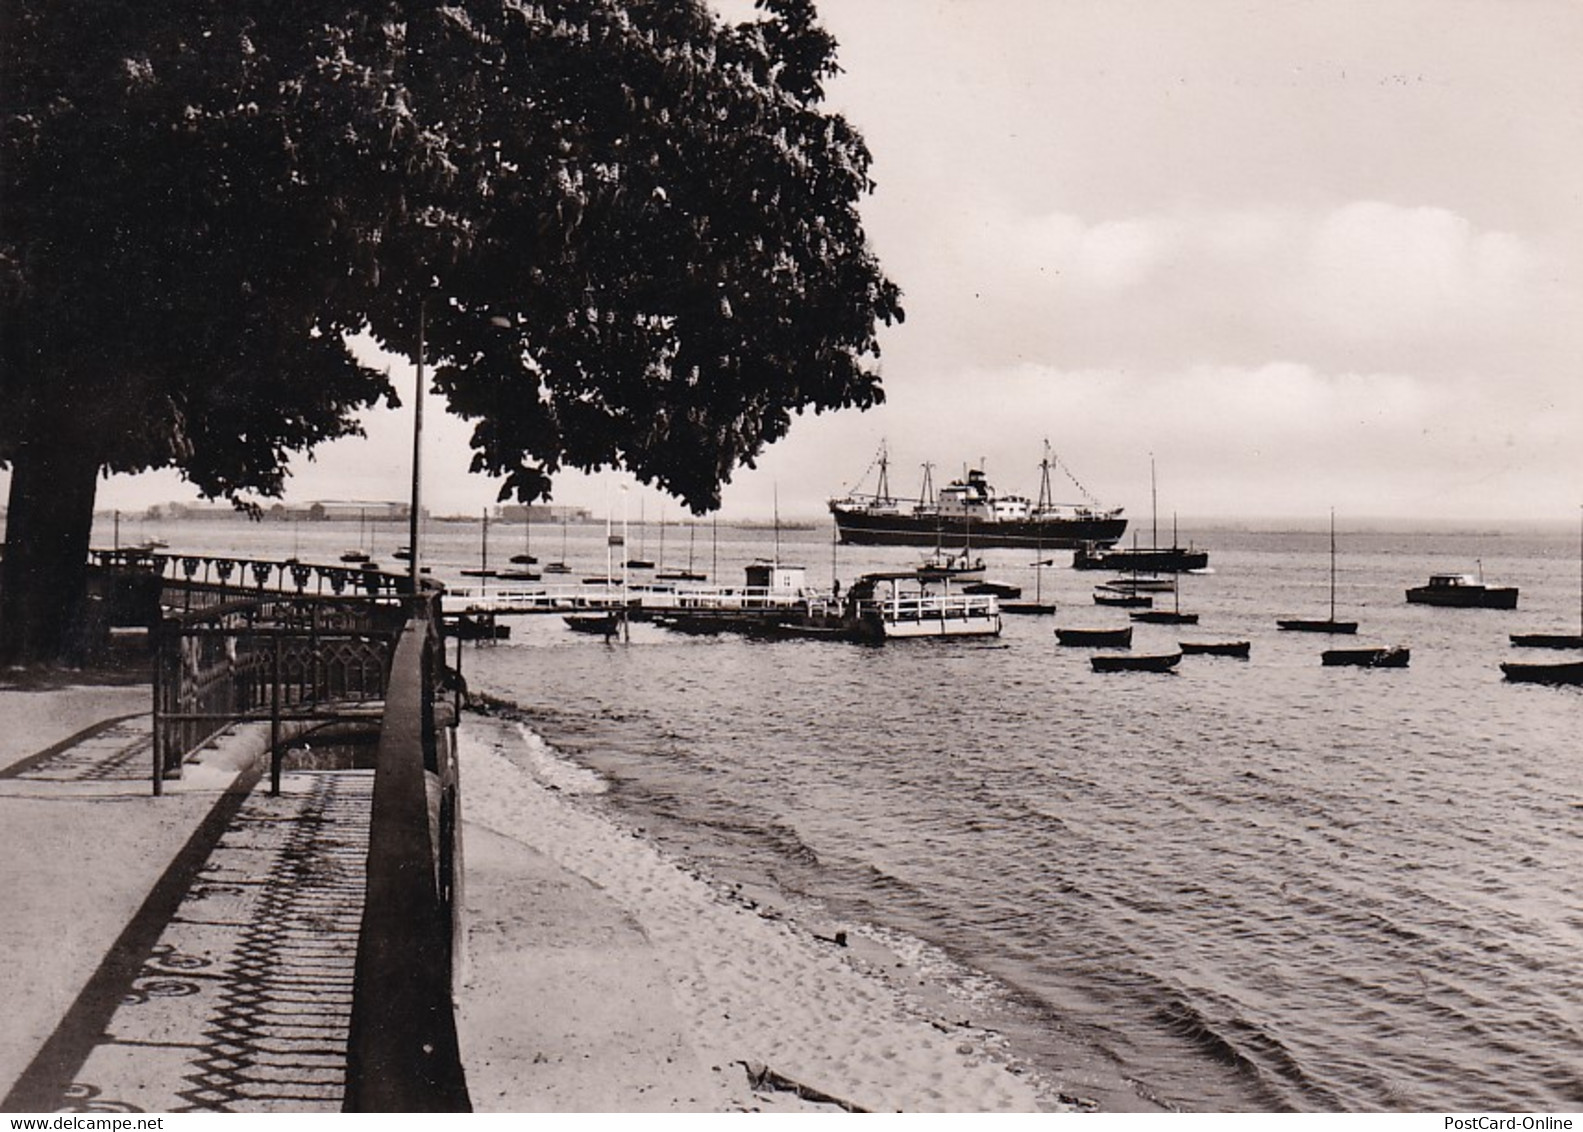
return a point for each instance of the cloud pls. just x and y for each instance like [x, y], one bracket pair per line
[1282, 438]
[1366, 285]
[1376, 269]
[1108, 256]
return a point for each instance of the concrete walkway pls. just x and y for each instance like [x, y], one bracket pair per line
[191, 952]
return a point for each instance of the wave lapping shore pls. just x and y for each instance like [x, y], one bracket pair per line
[603, 975]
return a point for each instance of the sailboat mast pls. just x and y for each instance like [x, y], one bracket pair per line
[1154, 501]
[1332, 564]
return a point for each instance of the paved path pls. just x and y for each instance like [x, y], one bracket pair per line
[186, 953]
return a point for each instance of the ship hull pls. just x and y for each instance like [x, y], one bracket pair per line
[1469, 597]
[857, 528]
[1159, 560]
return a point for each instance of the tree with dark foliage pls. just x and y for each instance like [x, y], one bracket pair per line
[632, 230]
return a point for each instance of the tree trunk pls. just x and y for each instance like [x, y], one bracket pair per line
[48, 526]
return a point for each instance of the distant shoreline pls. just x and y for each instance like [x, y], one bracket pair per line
[1190, 529]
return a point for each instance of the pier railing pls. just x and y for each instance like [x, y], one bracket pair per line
[638, 596]
[375, 658]
[287, 660]
[930, 607]
[194, 581]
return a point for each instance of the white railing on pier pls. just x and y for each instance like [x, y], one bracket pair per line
[496, 599]
[931, 606]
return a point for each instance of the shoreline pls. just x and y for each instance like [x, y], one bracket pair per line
[744, 985]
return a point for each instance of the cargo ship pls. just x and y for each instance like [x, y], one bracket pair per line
[970, 513]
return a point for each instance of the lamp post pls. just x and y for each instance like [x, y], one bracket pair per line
[413, 524]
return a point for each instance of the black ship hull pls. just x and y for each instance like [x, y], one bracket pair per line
[1465, 597]
[858, 528]
[1157, 560]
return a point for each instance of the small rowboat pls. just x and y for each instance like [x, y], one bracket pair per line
[1096, 638]
[1570, 672]
[604, 624]
[1216, 648]
[1166, 617]
[1132, 601]
[1038, 608]
[1136, 662]
[1386, 657]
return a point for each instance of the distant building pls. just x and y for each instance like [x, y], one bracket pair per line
[541, 513]
[356, 510]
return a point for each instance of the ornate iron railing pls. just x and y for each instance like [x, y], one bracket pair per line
[298, 658]
[198, 580]
[284, 659]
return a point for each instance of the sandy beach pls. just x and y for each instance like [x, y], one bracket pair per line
[603, 975]
[599, 972]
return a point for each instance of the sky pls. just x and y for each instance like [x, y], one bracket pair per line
[1300, 254]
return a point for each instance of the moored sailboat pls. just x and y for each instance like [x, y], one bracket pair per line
[1038, 605]
[526, 558]
[1559, 640]
[483, 570]
[360, 554]
[1328, 624]
[560, 567]
[1154, 559]
[1172, 616]
[687, 575]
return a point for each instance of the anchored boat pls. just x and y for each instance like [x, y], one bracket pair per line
[1153, 559]
[899, 605]
[1240, 649]
[1327, 624]
[1463, 591]
[1559, 640]
[970, 512]
[1135, 662]
[1096, 638]
[1568, 672]
[1385, 657]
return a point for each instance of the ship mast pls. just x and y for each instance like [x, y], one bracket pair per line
[1046, 497]
[926, 489]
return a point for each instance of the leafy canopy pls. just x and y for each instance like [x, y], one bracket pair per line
[631, 229]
